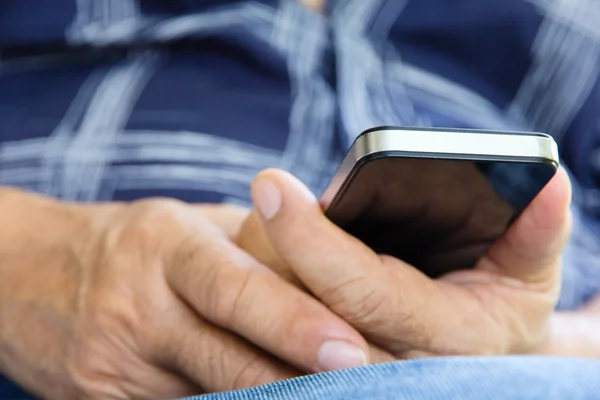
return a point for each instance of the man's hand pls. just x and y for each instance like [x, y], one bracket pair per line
[503, 306]
[150, 300]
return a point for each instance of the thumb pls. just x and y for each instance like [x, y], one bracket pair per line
[321, 255]
[341, 271]
[531, 248]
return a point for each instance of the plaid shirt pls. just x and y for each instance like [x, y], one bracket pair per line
[123, 99]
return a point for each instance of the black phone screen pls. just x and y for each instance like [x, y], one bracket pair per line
[439, 215]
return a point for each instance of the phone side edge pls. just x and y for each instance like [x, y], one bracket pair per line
[450, 144]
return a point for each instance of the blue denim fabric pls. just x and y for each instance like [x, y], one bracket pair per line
[505, 378]
[460, 378]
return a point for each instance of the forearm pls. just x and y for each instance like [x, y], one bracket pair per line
[33, 222]
[32, 264]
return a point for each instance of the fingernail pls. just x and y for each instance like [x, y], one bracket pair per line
[336, 355]
[267, 198]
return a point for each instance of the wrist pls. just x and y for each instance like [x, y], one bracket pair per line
[31, 222]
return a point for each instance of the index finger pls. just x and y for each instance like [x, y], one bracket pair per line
[232, 290]
[383, 299]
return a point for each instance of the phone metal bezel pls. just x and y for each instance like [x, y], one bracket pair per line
[436, 143]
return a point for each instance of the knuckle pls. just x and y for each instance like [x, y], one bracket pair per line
[150, 214]
[240, 300]
[342, 293]
[191, 249]
[366, 309]
[254, 372]
[227, 297]
[219, 286]
[146, 222]
[152, 204]
[356, 301]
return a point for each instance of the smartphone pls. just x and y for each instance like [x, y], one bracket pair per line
[437, 198]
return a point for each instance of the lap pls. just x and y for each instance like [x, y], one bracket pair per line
[504, 378]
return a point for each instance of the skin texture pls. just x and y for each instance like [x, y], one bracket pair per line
[147, 300]
[503, 306]
[158, 299]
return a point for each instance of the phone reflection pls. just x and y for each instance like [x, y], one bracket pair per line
[438, 215]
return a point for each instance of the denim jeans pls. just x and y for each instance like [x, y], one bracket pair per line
[506, 378]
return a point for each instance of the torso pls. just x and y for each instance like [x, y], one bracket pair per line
[272, 89]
